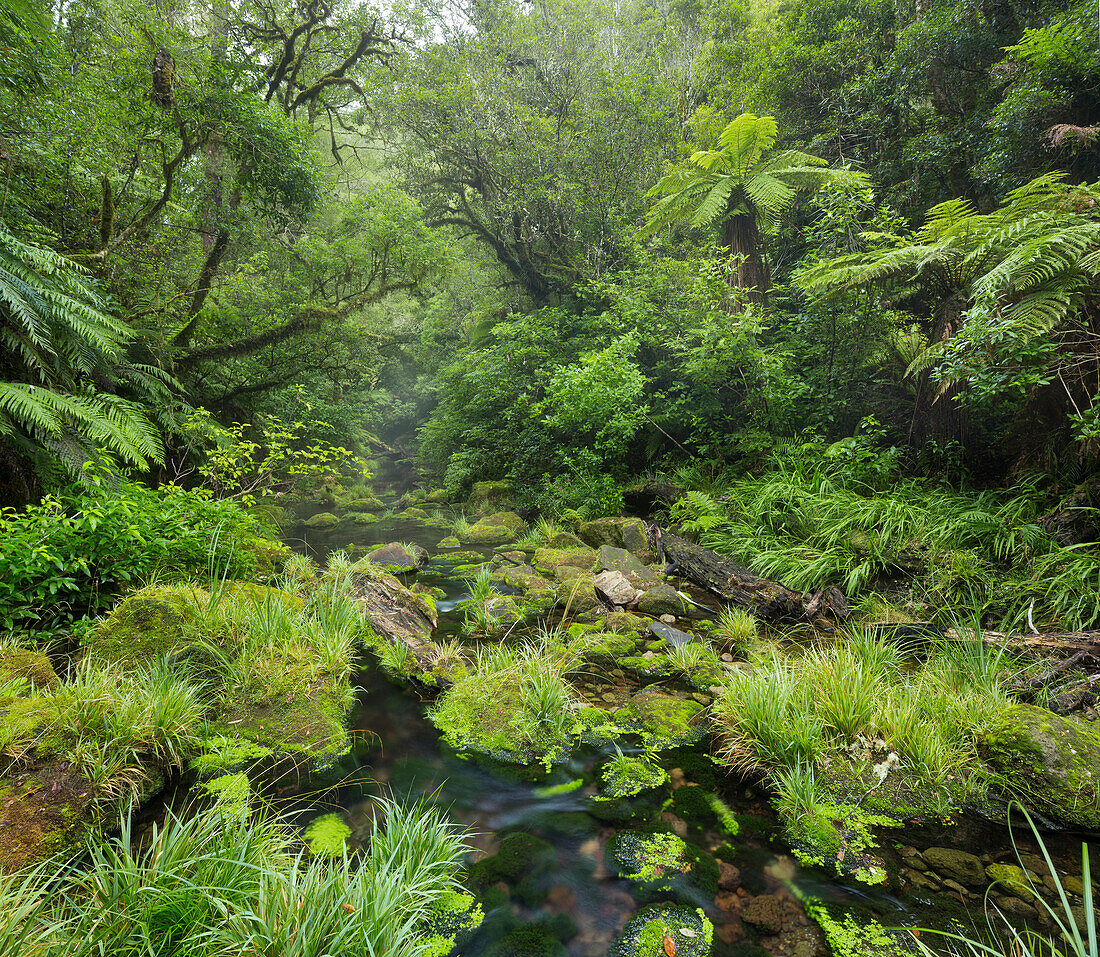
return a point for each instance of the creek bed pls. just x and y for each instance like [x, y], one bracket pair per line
[569, 901]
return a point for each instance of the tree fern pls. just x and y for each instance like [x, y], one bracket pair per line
[55, 342]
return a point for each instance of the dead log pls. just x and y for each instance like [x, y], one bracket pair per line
[1053, 644]
[767, 600]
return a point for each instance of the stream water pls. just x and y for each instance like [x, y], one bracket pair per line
[569, 901]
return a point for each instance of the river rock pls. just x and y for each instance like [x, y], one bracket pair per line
[612, 559]
[765, 912]
[321, 520]
[578, 595]
[497, 529]
[1053, 761]
[664, 720]
[673, 637]
[729, 877]
[615, 588]
[548, 560]
[662, 600]
[1010, 879]
[396, 559]
[961, 865]
[628, 533]
[566, 540]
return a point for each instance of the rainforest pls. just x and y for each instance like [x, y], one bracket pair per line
[549, 478]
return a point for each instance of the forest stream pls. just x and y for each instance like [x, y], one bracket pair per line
[542, 837]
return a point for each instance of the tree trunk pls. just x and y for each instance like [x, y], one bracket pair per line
[767, 600]
[741, 234]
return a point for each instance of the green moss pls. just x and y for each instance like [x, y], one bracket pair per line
[663, 720]
[691, 933]
[224, 754]
[548, 559]
[327, 835]
[449, 542]
[148, 624]
[626, 776]
[230, 792]
[498, 529]
[322, 520]
[527, 940]
[849, 937]
[1049, 759]
[33, 667]
[451, 919]
[520, 854]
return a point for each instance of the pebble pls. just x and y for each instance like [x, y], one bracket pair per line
[727, 657]
[701, 698]
[668, 619]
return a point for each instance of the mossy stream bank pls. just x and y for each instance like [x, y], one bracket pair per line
[587, 821]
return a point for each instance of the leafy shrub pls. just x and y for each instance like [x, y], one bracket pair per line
[72, 554]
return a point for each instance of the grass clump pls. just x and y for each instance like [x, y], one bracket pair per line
[848, 737]
[513, 703]
[213, 884]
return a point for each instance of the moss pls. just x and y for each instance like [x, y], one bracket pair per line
[520, 854]
[691, 933]
[327, 835]
[627, 776]
[663, 721]
[849, 937]
[322, 520]
[1050, 760]
[625, 623]
[451, 920]
[596, 726]
[450, 542]
[658, 666]
[527, 940]
[224, 754]
[498, 529]
[32, 666]
[148, 624]
[230, 792]
[549, 559]
[703, 808]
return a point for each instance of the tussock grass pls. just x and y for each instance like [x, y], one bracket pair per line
[982, 550]
[212, 884]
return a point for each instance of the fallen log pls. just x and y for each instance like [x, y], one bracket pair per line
[1056, 643]
[767, 600]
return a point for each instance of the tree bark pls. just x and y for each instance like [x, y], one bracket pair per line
[741, 234]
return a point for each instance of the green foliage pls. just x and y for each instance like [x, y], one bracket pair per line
[71, 555]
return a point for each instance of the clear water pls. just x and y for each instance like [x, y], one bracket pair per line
[576, 899]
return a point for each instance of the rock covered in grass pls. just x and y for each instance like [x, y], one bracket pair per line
[397, 559]
[611, 558]
[497, 529]
[1051, 760]
[615, 588]
[645, 935]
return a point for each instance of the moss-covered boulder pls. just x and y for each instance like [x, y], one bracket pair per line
[488, 497]
[397, 559]
[578, 595]
[450, 922]
[522, 576]
[497, 529]
[150, 623]
[612, 559]
[625, 623]
[662, 600]
[566, 540]
[649, 932]
[628, 533]
[33, 667]
[1051, 761]
[549, 560]
[958, 865]
[44, 811]
[322, 520]
[663, 720]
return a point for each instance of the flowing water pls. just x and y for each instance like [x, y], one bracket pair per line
[570, 902]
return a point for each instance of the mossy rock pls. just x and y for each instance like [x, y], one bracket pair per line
[497, 529]
[649, 669]
[148, 624]
[627, 776]
[486, 497]
[609, 644]
[522, 576]
[526, 940]
[567, 541]
[31, 666]
[625, 623]
[362, 518]
[415, 512]
[327, 835]
[691, 933]
[450, 542]
[322, 520]
[548, 560]
[366, 504]
[396, 559]
[578, 596]
[520, 854]
[663, 720]
[662, 600]
[612, 559]
[1051, 761]
[627, 533]
[662, 864]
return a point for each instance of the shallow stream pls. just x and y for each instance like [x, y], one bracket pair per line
[568, 901]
